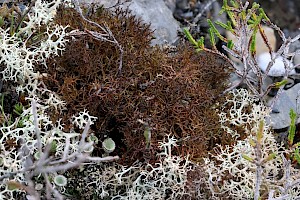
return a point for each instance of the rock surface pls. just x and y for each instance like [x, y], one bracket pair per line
[287, 100]
[171, 4]
[161, 18]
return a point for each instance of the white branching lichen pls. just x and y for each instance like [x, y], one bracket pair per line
[231, 173]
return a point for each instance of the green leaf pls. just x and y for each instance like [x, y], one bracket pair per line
[263, 14]
[252, 142]
[215, 30]
[190, 37]
[18, 109]
[226, 26]
[232, 17]
[255, 5]
[250, 21]
[234, 3]
[230, 26]
[256, 20]
[230, 44]
[223, 25]
[292, 129]
[281, 83]
[253, 42]
[243, 15]
[247, 158]
[200, 43]
[260, 132]
[212, 37]
[225, 3]
[297, 156]
[224, 7]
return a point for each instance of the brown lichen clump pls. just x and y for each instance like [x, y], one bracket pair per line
[175, 94]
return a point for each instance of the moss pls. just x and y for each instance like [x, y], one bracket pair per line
[174, 93]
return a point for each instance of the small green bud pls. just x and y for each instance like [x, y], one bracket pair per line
[297, 144]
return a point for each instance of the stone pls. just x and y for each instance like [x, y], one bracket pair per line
[286, 101]
[277, 69]
[171, 4]
[159, 16]
[293, 48]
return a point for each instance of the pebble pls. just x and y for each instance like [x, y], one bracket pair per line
[278, 68]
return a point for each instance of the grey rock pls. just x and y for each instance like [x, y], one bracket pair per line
[159, 16]
[183, 4]
[286, 101]
[293, 48]
[171, 4]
